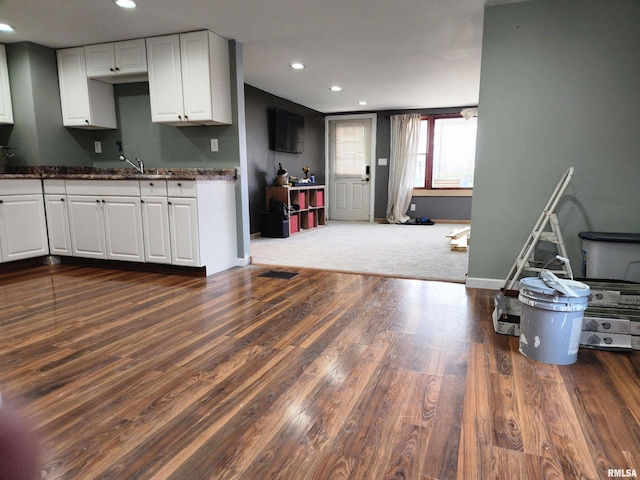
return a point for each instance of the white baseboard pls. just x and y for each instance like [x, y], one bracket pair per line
[488, 283]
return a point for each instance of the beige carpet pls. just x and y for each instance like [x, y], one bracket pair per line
[407, 251]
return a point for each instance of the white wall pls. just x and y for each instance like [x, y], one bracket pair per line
[559, 87]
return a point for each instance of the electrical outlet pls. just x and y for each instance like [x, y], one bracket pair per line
[214, 144]
[413, 207]
[97, 147]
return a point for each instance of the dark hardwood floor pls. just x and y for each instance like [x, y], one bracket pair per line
[323, 376]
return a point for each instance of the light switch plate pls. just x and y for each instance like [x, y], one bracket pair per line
[382, 161]
[97, 147]
[214, 144]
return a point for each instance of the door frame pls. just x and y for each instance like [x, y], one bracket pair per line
[372, 161]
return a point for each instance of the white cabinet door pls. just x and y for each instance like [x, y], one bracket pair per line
[123, 228]
[189, 79]
[100, 60]
[6, 110]
[58, 224]
[86, 225]
[106, 60]
[205, 78]
[85, 103]
[23, 228]
[155, 228]
[131, 56]
[183, 222]
[196, 81]
[165, 79]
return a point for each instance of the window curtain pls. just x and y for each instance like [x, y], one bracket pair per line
[405, 132]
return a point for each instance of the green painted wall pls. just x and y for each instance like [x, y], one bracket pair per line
[37, 133]
[558, 88]
[161, 146]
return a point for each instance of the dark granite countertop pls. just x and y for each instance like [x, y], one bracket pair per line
[88, 173]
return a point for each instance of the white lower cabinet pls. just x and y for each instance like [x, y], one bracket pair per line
[189, 223]
[123, 228]
[202, 220]
[183, 221]
[23, 228]
[58, 224]
[106, 227]
[86, 224]
[155, 227]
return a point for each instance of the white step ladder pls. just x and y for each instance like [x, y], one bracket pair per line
[524, 261]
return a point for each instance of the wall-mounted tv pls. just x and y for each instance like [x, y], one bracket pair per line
[287, 131]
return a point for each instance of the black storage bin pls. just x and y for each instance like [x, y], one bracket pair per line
[274, 225]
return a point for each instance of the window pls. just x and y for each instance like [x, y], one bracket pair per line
[446, 153]
[350, 149]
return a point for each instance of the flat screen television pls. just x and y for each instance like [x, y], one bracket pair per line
[287, 131]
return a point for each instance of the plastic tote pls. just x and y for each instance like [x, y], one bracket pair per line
[551, 322]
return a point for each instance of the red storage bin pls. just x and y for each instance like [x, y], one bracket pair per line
[294, 224]
[312, 220]
[320, 198]
[302, 196]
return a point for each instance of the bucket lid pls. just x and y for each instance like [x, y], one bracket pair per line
[537, 285]
[610, 237]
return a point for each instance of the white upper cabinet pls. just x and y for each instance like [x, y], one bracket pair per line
[85, 103]
[189, 79]
[117, 62]
[6, 110]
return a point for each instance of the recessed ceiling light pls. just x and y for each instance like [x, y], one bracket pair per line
[126, 3]
[297, 66]
[336, 88]
[362, 102]
[5, 28]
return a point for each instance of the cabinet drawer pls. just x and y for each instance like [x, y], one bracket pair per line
[21, 186]
[104, 187]
[181, 188]
[54, 186]
[153, 188]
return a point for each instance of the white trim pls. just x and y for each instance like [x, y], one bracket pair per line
[372, 164]
[488, 283]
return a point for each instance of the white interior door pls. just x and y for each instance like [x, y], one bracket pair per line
[350, 167]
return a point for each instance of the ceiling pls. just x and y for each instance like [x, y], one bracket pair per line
[392, 54]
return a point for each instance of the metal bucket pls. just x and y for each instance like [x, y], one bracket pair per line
[551, 322]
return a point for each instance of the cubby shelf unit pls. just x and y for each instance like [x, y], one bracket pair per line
[306, 205]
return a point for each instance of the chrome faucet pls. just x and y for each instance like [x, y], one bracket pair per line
[139, 167]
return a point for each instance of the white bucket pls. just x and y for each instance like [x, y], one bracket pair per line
[551, 322]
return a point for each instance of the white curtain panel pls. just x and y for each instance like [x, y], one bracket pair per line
[405, 132]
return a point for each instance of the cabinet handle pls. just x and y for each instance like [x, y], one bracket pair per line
[87, 122]
[62, 199]
[141, 201]
[1, 201]
[98, 200]
[168, 203]
[117, 69]
[179, 117]
[186, 118]
[112, 69]
[179, 184]
[103, 201]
